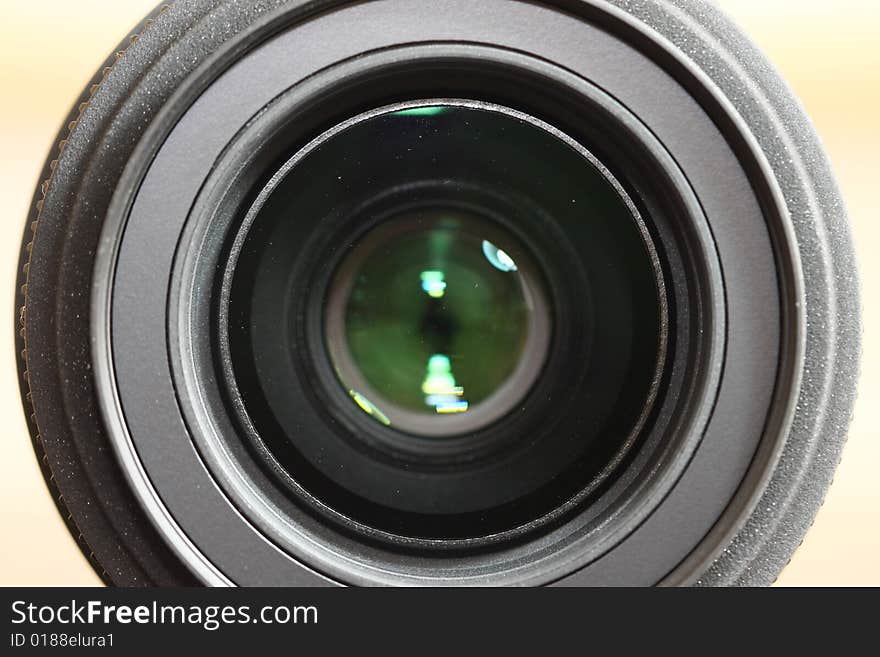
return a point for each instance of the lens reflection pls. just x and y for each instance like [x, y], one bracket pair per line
[435, 316]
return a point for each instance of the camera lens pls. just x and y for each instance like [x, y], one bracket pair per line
[470, 299]
[484, 293]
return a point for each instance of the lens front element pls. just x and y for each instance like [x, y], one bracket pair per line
[445, 321]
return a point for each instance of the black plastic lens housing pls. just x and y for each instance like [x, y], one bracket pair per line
[246, 327]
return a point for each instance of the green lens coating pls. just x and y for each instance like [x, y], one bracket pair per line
[436, 316]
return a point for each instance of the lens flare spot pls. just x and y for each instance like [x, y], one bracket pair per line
[434, 283]
[440, 388]
[369, 408]
[422, 111]
[498, 258]
[439, 379]
[448, 408]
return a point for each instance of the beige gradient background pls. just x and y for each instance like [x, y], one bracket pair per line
[828, 50]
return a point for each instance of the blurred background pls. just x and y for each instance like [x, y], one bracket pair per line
[829, 53]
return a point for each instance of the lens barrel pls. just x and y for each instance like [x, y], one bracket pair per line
[374, 294]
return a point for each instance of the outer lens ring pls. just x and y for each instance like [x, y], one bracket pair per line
[567, 508]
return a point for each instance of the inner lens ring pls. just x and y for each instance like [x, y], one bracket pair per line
[501, 401]
[504, 209]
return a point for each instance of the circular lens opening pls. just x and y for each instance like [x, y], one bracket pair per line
[437, 322]
[443, 321]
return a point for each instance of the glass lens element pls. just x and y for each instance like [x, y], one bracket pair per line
[446, 320]
[430, 317]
